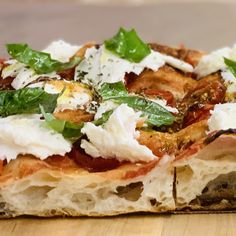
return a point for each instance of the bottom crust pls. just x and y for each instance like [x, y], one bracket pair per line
[75, 192]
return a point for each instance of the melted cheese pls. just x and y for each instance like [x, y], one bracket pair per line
[27, 134]
[117, 138]
[223, 117]
[101, 66]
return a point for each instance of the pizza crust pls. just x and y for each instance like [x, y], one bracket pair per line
[204, 181]
[75, 192]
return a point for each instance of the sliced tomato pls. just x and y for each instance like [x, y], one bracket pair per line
[196, 114]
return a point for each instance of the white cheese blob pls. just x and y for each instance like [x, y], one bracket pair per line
[102, 66]
[27, 134]
[61, 50]
[223, 117]
[214, 61]
[12, 69]
[117, 137]
[75, 95]
[176, 63]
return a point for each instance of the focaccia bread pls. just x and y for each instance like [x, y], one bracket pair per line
[116, 128]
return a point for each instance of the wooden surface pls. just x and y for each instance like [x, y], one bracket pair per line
[167, 225]
[203, 26]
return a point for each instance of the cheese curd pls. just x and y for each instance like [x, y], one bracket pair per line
[117, 137]
[101, 66]
[27, 134]
[223, 117]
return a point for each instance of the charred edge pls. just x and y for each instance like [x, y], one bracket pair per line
[174, 187]
[218, 134]
[218, 193]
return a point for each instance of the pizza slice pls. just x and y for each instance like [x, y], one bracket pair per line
[115, 128]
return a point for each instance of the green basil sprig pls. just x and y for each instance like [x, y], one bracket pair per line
[156, 114]
[231, 65]
[26, 101]
[128, 45]
[40, 62]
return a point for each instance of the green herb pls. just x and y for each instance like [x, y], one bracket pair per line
[128, 45]
[112, 90]
[26, 101]
[231, 65]
[156, 114]
[40, 62]
[68, 129]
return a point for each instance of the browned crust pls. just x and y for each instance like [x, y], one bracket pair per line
[188, 55]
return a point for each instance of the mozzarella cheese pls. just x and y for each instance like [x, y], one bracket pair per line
[215, 61]
[212, 62]
[117, 138]
[61, 51]
[101, 66]
[12, 69]
[27, 134]
[75, 95]
[223, 117]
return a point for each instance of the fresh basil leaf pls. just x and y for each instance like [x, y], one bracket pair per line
[156, 114]
[68, 129]
[112, 90]
[231, 65]
[40, 62]
[128, 45]
[26, 101]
